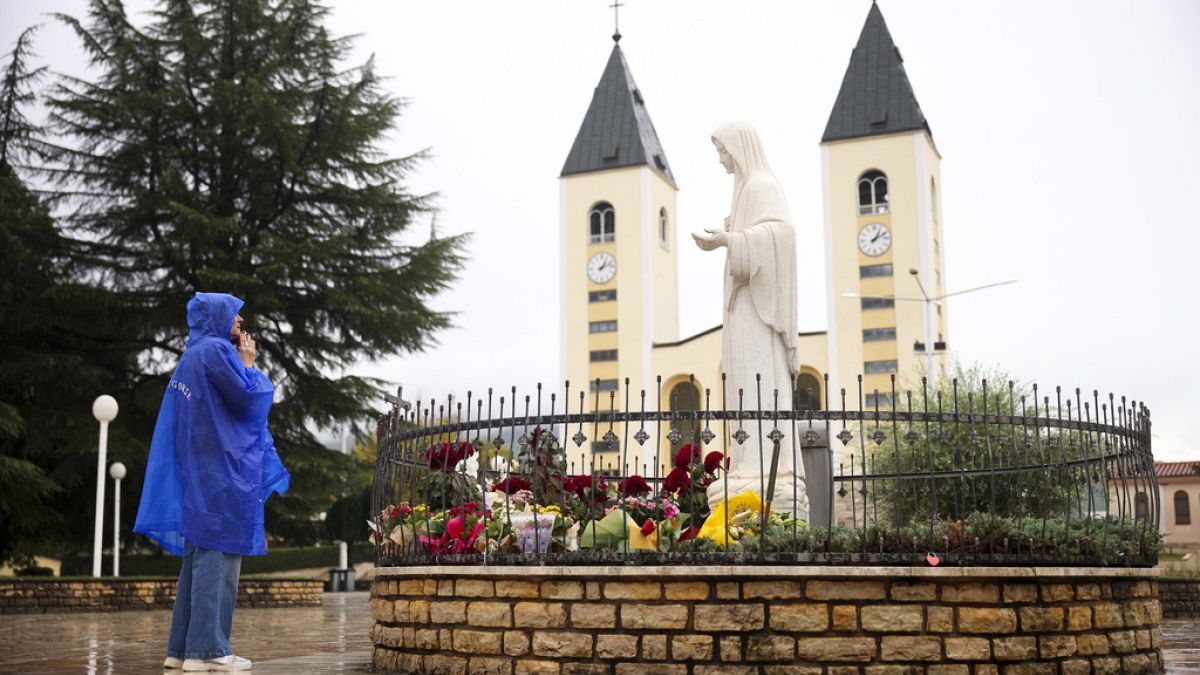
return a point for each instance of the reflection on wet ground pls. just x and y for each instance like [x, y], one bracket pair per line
[333, 638]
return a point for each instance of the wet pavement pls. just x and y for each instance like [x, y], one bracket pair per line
[333, 638]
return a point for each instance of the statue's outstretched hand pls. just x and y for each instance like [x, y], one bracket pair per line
[715, 239]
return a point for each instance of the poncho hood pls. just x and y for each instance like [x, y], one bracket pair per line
[212, 461]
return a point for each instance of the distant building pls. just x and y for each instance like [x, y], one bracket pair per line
[1179, 492]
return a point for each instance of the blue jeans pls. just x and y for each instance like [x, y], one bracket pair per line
[204, 602]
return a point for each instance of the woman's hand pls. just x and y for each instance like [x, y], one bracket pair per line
[247, 349]
[715, 239]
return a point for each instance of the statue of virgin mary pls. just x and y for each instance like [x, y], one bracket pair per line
[760, 335]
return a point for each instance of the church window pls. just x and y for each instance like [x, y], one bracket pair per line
[867, 271]
[604, 355]
[873, 193]
[604, 385]
[602, 327]
[878, 334]
[685, 397]
[602, 224]
[808, 392]
[1183, 511]
[875, 367]
[1141, 507]
[602, 296]
[662, 227]
[878, 400]
[878, 303]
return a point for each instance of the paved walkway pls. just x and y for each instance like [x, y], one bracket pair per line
[333, 638]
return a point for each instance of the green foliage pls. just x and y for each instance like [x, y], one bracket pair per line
[443, 489]
[277, 559]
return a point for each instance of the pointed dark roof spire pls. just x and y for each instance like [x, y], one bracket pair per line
[617, 130]
[876, 96]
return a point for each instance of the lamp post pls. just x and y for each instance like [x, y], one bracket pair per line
[117, 471]
[929, 347]
[104, 409]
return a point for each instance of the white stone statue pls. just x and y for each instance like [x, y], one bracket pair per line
[760, 332]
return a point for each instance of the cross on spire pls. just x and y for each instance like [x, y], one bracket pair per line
[617, 5]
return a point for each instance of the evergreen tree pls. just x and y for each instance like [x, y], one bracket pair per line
[225, 147]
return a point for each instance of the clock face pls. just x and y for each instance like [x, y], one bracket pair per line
[602, 268]
[874, 239]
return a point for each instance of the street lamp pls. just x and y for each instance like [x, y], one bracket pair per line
[104, 409]
[117, 471]
[929, 347]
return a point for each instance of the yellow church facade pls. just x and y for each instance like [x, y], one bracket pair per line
[619, 273]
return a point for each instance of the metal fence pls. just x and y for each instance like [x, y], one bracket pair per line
[964, 473]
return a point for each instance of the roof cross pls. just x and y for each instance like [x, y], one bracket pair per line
[617, 5]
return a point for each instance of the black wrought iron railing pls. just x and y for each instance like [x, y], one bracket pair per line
[965, 473]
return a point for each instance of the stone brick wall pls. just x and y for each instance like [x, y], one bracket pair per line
[1180, 598]
[802, 620]
[24, 596]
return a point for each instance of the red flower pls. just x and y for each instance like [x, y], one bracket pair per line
[678, 480]
[689, 533]
[446, 456]
[581, 484]
[687, 455]
[633, 486]
[405, 509]
[648, 527]
[512, 484]
[712, 461]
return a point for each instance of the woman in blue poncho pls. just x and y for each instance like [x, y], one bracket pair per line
[212, 466]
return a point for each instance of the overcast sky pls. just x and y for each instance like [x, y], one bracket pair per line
[1068, 130]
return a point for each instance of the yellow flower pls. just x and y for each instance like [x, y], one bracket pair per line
[550, 509]
[420, 508]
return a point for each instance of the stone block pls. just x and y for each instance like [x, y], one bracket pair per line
[1136, 664]
[562, 590]
[772, 590]
[1056, 646]
[845, 617]
[426, 638]
[1142, 637]
[731, 648]
[1156, 637]
[770, 648]
[714, 618]
[591, 615]
[893, 618]
[1076, 667]
[633, 590]
[1087, 591]
[651, 669]
[1122, 641]
[1031, 669]
[591, 590]
[516, 643]
[891, 670]
[654, 647]
[1153, 611]
[382, 609]
[799, 618]
[445, 587]
[673, 617]
[1020, 592]
[562, 644]
[409, 663]
[939, 620]
[726, 669]
[539, 615]
[728, 590]
[482, 665]
[987, 669]
[1134, 613]
[911, 648]
[914, 591]
[516, 589]
[836, 649]
[454, 611]
[1057, 592]
[441, 664]
[1014, 648]
[821, 589]
[844, 670]
[949, 669]
[474, 588]
[445, 639]
[616, 646]
[407, 587]
[1090, 645]
[1107, 615]
[1041, 619]
[1079, 618]
[968, 649]
[489, 614]
[692, 647]
[986, 620]
[686, 590]
[586, 669]
[1141, 589]
[531, 667]
[972, 591]
[1111, 666]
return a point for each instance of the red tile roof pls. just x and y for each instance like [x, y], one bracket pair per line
[1175, 469]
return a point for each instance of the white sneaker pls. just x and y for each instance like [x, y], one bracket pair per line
[172, 663]
[222, 663]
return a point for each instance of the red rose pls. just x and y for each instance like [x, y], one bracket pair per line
[712, 461]
[648, 527]
[511, 485]
[687, 455]
[580, 484]
[678, 480]
[633, 486]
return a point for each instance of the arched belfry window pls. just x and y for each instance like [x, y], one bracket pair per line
[685, 397]
[1183, 510]
[602, 224]
[808, 392]
[873, 192]
[662, 227]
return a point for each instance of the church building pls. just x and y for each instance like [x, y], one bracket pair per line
[619, 275]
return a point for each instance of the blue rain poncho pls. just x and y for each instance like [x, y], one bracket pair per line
[212, 461]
